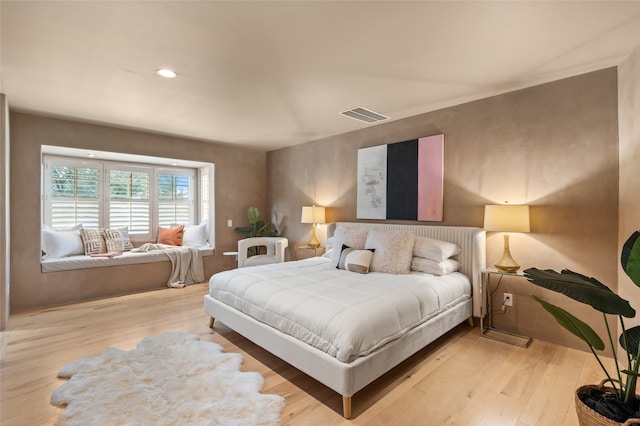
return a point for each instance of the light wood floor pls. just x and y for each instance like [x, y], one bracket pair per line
[461, 379]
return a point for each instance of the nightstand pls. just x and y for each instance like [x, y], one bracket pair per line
[231, 253]
[486, 319]
[316, 250]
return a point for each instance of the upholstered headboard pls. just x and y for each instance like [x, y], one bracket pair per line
[471, 240]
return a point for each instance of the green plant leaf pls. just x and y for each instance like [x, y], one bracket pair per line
[258, 227]
[244, 230]
[581, 288]
[254, 215]
[633, 339]
[573, 324]
[630, 257]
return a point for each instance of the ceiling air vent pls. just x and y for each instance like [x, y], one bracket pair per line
[363, 114]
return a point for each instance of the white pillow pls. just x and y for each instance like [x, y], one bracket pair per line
[429, 266]
[329, 242]
[437, 250]
[61, 243]
[196, 235]
[352, 237]
[393, 251]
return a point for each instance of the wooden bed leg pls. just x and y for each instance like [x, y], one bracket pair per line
[211, 320]
[346, 407]
[470, 321]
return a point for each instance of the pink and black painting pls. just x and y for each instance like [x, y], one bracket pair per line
[402, 181]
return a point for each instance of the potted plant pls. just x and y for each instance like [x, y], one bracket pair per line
[617, 402]
[258, 228]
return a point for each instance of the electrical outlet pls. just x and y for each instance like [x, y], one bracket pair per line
[507, 299]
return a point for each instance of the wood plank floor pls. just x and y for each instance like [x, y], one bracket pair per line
[461, 379]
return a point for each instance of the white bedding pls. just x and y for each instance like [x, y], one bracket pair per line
[345, 314]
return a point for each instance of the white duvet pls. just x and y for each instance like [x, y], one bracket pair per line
[343, 313]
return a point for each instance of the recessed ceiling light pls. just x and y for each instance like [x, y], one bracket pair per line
[166, 73]
[91, 155]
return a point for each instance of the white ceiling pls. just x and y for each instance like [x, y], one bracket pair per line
[274, 74]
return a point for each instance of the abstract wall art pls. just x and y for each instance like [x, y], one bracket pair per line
[372, 182]
[402, 181]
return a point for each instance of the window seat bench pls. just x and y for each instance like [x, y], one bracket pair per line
[72, 263]
[80, 278]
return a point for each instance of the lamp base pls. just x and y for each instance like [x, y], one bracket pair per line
[506, 263]
[510, 269]
[313, 243]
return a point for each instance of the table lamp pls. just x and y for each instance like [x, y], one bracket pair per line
[314, 215]
[506, 218]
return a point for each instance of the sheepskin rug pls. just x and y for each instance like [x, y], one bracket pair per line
[170, 379]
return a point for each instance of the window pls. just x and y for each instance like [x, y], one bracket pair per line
[129, 199]
[74, 195]
[109, 194]
[175, 198]
[205, 188]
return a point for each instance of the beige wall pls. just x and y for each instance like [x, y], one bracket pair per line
[553, 146]
[5, 237]
[629, 210]
[239, 183]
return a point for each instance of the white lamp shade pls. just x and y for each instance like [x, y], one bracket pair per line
[313, 214]
[506, 218]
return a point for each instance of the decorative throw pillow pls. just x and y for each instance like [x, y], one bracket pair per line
[352, 237]
[343, 255]
[128, 245]
[433, 249]
[114, 239]
[61, 243]
[93, 241]
[432, 267]
[355, 260]
[196, 235]
[170, 236]
[393, 251]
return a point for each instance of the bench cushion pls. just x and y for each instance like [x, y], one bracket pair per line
[127, 258]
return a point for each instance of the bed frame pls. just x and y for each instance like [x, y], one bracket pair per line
[349, 378]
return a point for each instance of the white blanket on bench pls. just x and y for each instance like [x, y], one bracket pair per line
[186, 263]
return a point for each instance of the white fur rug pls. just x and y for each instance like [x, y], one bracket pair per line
[170, 379]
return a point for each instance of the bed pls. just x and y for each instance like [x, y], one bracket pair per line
[330, 323]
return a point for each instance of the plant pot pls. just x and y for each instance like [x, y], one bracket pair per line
[590, 417]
